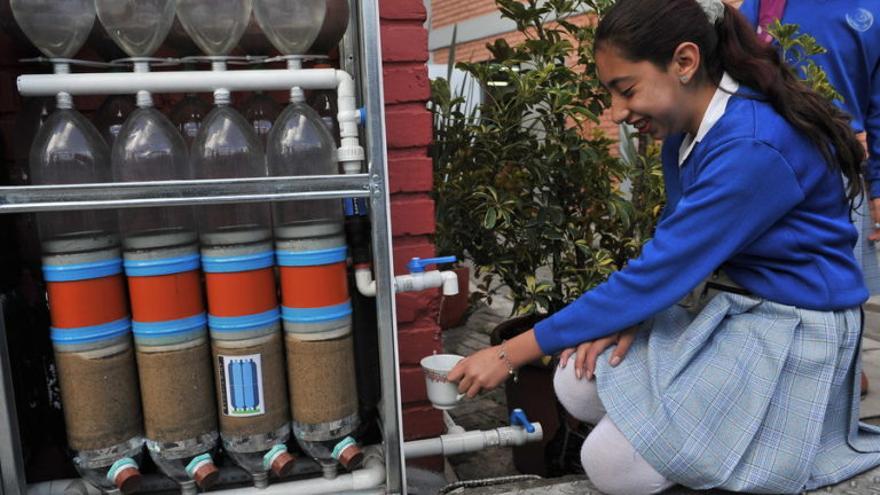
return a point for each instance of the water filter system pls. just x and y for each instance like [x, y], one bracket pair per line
[199, 271]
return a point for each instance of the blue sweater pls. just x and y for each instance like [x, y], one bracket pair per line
[755, 198]
[850, 31]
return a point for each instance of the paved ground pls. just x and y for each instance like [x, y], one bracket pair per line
[489, 411]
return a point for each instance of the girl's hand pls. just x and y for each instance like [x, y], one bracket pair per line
[482, 370]
[587, 352]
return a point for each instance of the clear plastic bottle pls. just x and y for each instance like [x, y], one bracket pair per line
[261, 110]
[333, 28]
[238, 262]
[170, 327]
[188, 114]
[316, 306]
[83, 272]
[112, 114]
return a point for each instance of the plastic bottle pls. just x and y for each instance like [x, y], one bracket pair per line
[316, 307]
[169, 321]
[244, 319]
[86, 293]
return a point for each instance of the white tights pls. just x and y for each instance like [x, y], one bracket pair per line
[611, 462]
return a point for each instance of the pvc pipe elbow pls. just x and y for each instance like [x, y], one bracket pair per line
[363, 277]
[450, 283]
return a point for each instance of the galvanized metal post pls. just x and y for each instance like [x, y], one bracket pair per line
[11, 456]
[371, 85]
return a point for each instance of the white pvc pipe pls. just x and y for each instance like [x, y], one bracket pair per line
[371, 476]
[472, 441]
[412, 282]
[102, 83]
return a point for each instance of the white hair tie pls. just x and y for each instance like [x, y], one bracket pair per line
[714, 9]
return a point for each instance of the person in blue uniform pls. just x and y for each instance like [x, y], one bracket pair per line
[850, 32]
[725, 355]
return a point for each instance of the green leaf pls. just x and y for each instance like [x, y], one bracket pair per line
[490, 218]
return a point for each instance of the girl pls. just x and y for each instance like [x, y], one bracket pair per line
[747, 385]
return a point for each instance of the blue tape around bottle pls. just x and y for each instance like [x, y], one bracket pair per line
[164, 266]
[169, 327]
[316, 315]
[243, 323]
[312, 258]
[233, 264]
[82, 271]
[94, 333]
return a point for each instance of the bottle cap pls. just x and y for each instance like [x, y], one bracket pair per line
[283, 464]
[206, 475]
[351, 457]
[128, 480]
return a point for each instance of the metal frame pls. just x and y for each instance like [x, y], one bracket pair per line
[363, 40]
[180, 192]
[371, 70]
[12, 479]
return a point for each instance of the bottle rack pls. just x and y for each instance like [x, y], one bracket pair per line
[361, 57]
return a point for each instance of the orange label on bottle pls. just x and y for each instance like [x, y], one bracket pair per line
[84, 303]
[241, 293]
[166, 297]
[314, 286]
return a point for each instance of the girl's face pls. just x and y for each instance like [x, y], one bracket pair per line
[642, 95]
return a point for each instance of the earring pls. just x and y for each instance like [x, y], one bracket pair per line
[683, 79]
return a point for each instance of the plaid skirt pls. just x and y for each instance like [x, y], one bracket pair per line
[744, 395]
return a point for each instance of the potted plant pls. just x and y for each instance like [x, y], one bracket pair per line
[527, 186]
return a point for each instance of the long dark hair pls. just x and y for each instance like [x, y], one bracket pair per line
[651, 30]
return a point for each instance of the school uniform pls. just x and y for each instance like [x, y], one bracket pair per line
[752, 389]
[850, 32]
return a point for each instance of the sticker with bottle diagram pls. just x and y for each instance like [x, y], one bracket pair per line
[241, 385]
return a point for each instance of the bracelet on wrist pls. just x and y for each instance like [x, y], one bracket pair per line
[511, 369]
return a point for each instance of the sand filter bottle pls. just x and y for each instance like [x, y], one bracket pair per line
[161, 256]
[316, 307]
[243, 315]
[90, 322]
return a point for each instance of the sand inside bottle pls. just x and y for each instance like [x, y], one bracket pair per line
[275, 411]
[99, 392]
[322, 379]
[177, 390]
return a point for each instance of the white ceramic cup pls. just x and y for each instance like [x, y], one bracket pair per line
[442, 393]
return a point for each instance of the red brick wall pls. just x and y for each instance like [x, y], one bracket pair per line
[409, 132]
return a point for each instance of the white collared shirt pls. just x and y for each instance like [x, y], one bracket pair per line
[713, 114]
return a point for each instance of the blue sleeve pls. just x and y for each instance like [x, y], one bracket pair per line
[872, 129]
[744, 188]
[750, 8]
